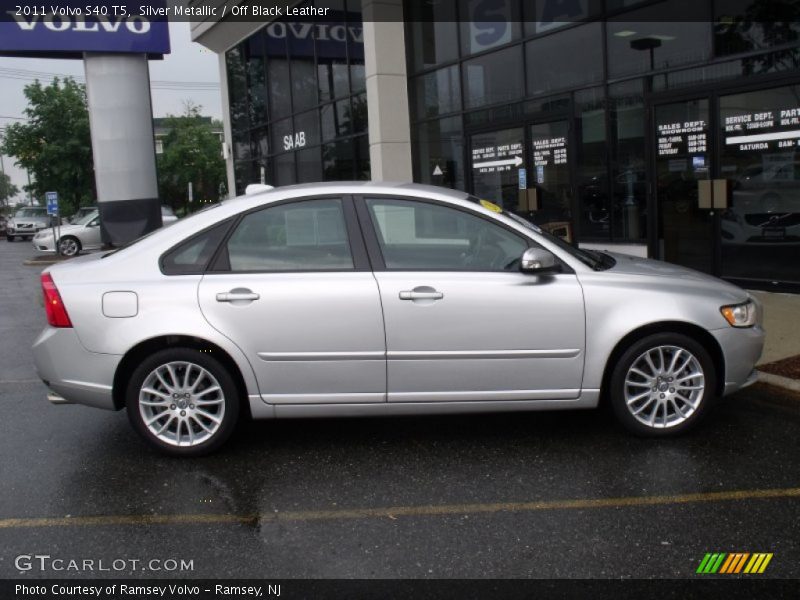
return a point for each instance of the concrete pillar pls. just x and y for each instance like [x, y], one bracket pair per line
[121, 121]
[226, 126]
[387, 90]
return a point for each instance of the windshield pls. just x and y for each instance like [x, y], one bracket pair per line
[596, 260]
[23, 213]
[87, 218]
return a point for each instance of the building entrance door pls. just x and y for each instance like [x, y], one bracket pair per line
[497, 159]
[550, 189]
[526, 170]
[683, 153]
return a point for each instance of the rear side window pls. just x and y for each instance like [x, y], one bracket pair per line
[192, 256]
[309, 235]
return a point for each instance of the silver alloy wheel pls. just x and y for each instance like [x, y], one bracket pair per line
[181, 403]
[68, 246]
[664, 386]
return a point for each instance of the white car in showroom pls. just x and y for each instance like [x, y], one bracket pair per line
[83, 234]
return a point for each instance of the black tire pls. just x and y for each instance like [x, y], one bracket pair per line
[704, 398]
[10, 238]
[77, 245]
[230, 394]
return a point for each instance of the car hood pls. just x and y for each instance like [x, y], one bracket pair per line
[646, 267]
[71, 229]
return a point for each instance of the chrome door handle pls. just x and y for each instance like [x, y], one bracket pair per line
[414, 295]
[237, 295]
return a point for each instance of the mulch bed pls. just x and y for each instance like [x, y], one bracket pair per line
[787, 367]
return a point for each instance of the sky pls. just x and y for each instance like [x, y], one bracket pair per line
[188, 62]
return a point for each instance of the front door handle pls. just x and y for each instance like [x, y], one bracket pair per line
[237, 295]
[421, 293]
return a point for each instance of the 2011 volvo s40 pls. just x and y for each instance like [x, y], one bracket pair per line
[361, 299]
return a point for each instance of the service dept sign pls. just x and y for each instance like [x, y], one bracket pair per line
[68, 28]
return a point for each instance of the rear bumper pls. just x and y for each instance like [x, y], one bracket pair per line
[741, 348]
[73, 374]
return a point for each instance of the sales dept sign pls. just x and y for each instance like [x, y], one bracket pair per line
[68, 28]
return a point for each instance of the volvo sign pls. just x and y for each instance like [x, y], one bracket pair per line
[67, 30]
[115, 41]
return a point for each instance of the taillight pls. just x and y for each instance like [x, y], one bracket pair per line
[53, 305]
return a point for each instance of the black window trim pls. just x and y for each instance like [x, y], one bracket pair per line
[376, 254]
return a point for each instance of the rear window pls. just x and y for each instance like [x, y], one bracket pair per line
[192, 256]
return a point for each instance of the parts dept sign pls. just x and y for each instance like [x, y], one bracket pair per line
[68, 28]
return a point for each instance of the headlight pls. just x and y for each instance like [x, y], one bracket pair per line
[740, 315]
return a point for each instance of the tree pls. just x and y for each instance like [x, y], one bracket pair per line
[191, 153]
[55, 144]
[7, 189]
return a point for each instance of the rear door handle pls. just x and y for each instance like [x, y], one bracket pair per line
[237, 295]
[417, 294]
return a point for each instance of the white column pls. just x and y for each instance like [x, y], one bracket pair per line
[226, 125]
[123, 148]
[387, 90]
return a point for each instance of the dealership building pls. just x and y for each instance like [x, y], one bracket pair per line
[667, 129]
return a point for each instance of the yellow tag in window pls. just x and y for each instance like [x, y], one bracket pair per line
[491, 206]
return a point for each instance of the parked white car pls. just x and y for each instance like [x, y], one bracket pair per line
[26, 222]
[83, 234]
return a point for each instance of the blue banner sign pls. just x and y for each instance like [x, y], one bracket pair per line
[68, 28]
[52, 203]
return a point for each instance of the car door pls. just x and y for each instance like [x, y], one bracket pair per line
[292, 287]
[90, 236]
[462, 323]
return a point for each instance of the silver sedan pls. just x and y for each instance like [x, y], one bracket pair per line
[362, 299]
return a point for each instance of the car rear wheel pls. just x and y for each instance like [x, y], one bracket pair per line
[69, 246]
[183, 402]
[662, 385]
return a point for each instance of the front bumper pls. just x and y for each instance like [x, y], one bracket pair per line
[44, 244]
[75, 375]
[23, 231]
[741, 349]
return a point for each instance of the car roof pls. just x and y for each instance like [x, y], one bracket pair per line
[357, 187]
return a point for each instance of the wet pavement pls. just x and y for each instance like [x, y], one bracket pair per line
[465, 496]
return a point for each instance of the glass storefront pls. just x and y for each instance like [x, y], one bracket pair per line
[760, 158]
[297, 96]
[613, 122]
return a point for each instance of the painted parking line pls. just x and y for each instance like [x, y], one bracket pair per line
[393, 512]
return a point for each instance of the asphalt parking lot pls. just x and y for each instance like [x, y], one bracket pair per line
[524, 495]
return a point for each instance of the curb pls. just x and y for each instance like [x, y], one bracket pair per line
[778, 381]
[34, 262]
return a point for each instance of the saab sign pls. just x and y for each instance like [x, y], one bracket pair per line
[68, 29]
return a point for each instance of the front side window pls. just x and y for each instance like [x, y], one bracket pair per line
[302, 236]
[421, 236]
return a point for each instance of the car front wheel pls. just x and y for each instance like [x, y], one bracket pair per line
[10, 238]
[662, 385]
[183, 402]
[69, 246]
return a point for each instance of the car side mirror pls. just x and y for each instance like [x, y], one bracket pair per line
[538, 260]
